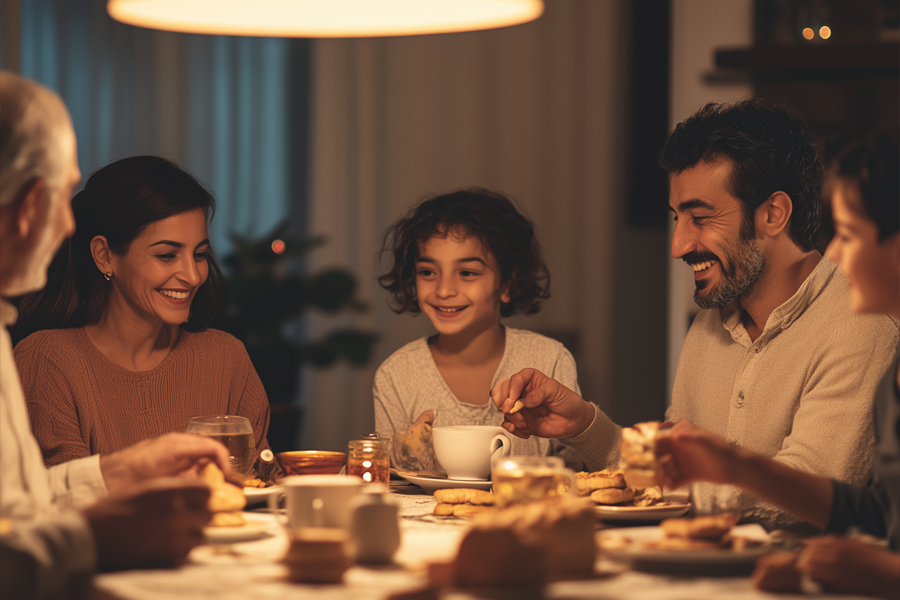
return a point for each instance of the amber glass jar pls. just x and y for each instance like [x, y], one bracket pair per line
[369, 458]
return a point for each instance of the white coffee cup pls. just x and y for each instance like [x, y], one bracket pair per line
[316, 500]
[465, 451]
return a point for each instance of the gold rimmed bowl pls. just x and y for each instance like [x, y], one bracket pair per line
[312, 462]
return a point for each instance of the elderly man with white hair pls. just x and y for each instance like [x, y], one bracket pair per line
[123, 510]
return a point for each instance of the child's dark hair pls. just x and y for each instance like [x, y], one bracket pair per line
[874, 163]
[494, 221]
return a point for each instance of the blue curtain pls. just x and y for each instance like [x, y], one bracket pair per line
[231, 110]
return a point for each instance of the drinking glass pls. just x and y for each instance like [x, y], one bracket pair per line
[233, 432]
[369, 458]
[714, 499]
[522, 479]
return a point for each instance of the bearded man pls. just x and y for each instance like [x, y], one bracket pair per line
[776, 362]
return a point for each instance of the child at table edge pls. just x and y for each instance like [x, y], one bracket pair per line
[464, 259]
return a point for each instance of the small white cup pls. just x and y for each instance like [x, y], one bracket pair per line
[465, 451]
[316, 500]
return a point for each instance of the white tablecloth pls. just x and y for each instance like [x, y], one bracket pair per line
[252, 569]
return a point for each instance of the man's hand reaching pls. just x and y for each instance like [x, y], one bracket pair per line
[550, 409]
[170, 455]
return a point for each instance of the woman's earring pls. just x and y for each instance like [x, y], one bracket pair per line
[108, 276]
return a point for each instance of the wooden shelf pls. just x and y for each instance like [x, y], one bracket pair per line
[815, 60]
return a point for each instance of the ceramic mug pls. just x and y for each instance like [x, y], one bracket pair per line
[315, 500]
[465, 451]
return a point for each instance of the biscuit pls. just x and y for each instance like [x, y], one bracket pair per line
[467, 511]
[443, 509]
[464, 496]
[599, 480]
[223, 496]
[612, 496]
[711, 527]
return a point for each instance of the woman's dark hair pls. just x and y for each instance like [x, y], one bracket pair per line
[489, 217]
[874, 164]
[771, 149]
[118, 202]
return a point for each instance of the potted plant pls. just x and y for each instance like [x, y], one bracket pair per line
[266, 293]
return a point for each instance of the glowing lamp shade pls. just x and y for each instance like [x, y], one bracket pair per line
[323, 18]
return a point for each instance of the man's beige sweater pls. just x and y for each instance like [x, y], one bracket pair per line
[800, 393]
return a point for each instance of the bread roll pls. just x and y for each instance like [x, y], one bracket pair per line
[599, 480]
[612, 496]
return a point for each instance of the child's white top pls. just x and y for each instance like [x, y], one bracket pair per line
[408, 383]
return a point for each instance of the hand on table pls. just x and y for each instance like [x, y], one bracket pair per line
[551, 410]
[170, 455]
[412, 448]
[690, 454]
[848, 565]
[152, 525]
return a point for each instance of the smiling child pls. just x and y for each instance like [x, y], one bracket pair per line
[465, 260]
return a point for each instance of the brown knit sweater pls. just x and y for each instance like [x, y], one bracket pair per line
[80, 403]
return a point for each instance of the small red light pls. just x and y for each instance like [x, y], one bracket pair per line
[278, 247]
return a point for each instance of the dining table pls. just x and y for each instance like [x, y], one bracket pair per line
[253, 569]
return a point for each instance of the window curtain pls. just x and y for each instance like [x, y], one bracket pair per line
[225, 108]
[537, 111]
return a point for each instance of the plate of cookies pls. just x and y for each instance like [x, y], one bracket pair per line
[615, 500]
[711, 544]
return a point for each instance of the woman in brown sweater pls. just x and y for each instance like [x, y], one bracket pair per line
[125, 353]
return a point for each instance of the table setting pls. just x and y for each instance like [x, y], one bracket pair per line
[341, 527]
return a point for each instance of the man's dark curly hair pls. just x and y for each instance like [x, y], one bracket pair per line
[494, 221]
[771, 149]
[874, 163]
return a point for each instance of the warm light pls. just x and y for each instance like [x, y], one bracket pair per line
[808, 32]
[323, 18]
[367, 463]
[367, 477]
[278, 247]
[824, 32]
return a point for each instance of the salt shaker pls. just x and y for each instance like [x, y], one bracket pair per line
[375, 528]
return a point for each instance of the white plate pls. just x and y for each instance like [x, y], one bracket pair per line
[429, 484]
[723, 562]
[255, 527]
[650, 514]
[254, 495]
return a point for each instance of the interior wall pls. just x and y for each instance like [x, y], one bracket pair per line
[535, 111]
[699, 28]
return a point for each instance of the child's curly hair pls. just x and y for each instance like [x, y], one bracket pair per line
[490, 217]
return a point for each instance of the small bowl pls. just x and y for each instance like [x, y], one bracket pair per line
[312, 462]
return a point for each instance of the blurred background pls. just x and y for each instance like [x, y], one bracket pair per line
[313, 147]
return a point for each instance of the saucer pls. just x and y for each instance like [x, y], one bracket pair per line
[429, 484]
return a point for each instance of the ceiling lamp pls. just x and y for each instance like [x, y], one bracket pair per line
[323, 18]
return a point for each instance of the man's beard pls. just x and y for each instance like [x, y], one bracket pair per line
[746, 262]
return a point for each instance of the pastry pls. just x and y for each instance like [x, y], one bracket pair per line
[648, 496]
[225, 500]
[638, 455]
[599, 480]
[712, 527]
[612, 496]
